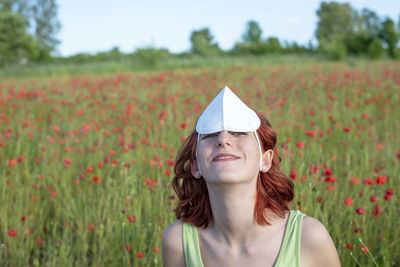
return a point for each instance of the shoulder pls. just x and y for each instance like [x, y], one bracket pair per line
[172, 248]
[317, 247]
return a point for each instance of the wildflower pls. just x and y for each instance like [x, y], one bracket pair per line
[12, 233]
[96, 179]
[156, 249]
[349, 201]
[365, 116]
[39, 241]
[377, 210]
[330, 188]
[328, 172]
[368, 181]
[12, 163]
[67, 161]
[139, 255]
[390, 191]
[131, 218]
[373, 198]
[381, 179]
[360, 210]
[354, 180]
[21, 158]
[310, 133]
[387, 197]
[300, 144]
[330, 179]
[349, 246]
[364, 248]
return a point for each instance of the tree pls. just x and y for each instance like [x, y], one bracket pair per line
[370, 22]
[336, 23]
[390, 36]
[364, 39]
[41, 21]
[335, 19]
[16, 45]
[202, 43]
[253, 32]
[46, 25]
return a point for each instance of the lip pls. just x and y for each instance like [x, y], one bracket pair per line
[225, 157]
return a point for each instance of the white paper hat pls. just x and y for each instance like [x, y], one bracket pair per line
[227, 112]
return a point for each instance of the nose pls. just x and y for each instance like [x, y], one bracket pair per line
[224, 139]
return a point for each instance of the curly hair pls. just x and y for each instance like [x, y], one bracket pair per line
[274, 189]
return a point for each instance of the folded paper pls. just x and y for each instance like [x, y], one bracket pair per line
[227, 112]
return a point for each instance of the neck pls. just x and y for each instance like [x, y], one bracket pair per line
[233, 213]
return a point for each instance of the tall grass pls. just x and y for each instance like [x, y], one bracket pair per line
[85, 161]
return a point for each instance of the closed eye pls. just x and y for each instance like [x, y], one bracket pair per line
[209, 135]
[238, 133]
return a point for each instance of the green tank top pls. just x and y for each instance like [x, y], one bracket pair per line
[289, 253]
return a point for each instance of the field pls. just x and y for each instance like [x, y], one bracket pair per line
[86, 161]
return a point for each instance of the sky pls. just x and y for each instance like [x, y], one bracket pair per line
[92, 26]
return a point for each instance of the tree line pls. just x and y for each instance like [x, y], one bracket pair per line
[28, 30]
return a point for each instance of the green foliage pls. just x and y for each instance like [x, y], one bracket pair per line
[270, 46]
[16, 45]
[334, 47]
[390, 36]
[335, 21]
[40, 20]
[202, 43]
[149, 57]
[253, 32]
[46, 24]
[370, 23]
[375, 49]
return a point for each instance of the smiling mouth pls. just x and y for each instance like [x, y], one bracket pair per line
[225, 157]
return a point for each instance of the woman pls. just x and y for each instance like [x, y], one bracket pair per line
[233, 199]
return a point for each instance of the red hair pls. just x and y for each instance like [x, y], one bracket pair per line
[274, 189]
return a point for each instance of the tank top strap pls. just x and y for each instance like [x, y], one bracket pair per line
[191, 246]
[289, 254]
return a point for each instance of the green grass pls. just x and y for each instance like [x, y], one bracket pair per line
[128, 64]
[70, 214]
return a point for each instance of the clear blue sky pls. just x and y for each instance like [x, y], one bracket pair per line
[98, 25]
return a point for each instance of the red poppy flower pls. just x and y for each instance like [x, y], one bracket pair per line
[364, 248]
[381, 179]
[12, 233]
[360, 210]
[349, 201]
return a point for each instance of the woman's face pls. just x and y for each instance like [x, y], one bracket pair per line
[228, 157]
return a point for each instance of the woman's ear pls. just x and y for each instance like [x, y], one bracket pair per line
[195, 169]
[267, 160]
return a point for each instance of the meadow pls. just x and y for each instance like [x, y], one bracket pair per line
[86, 161]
